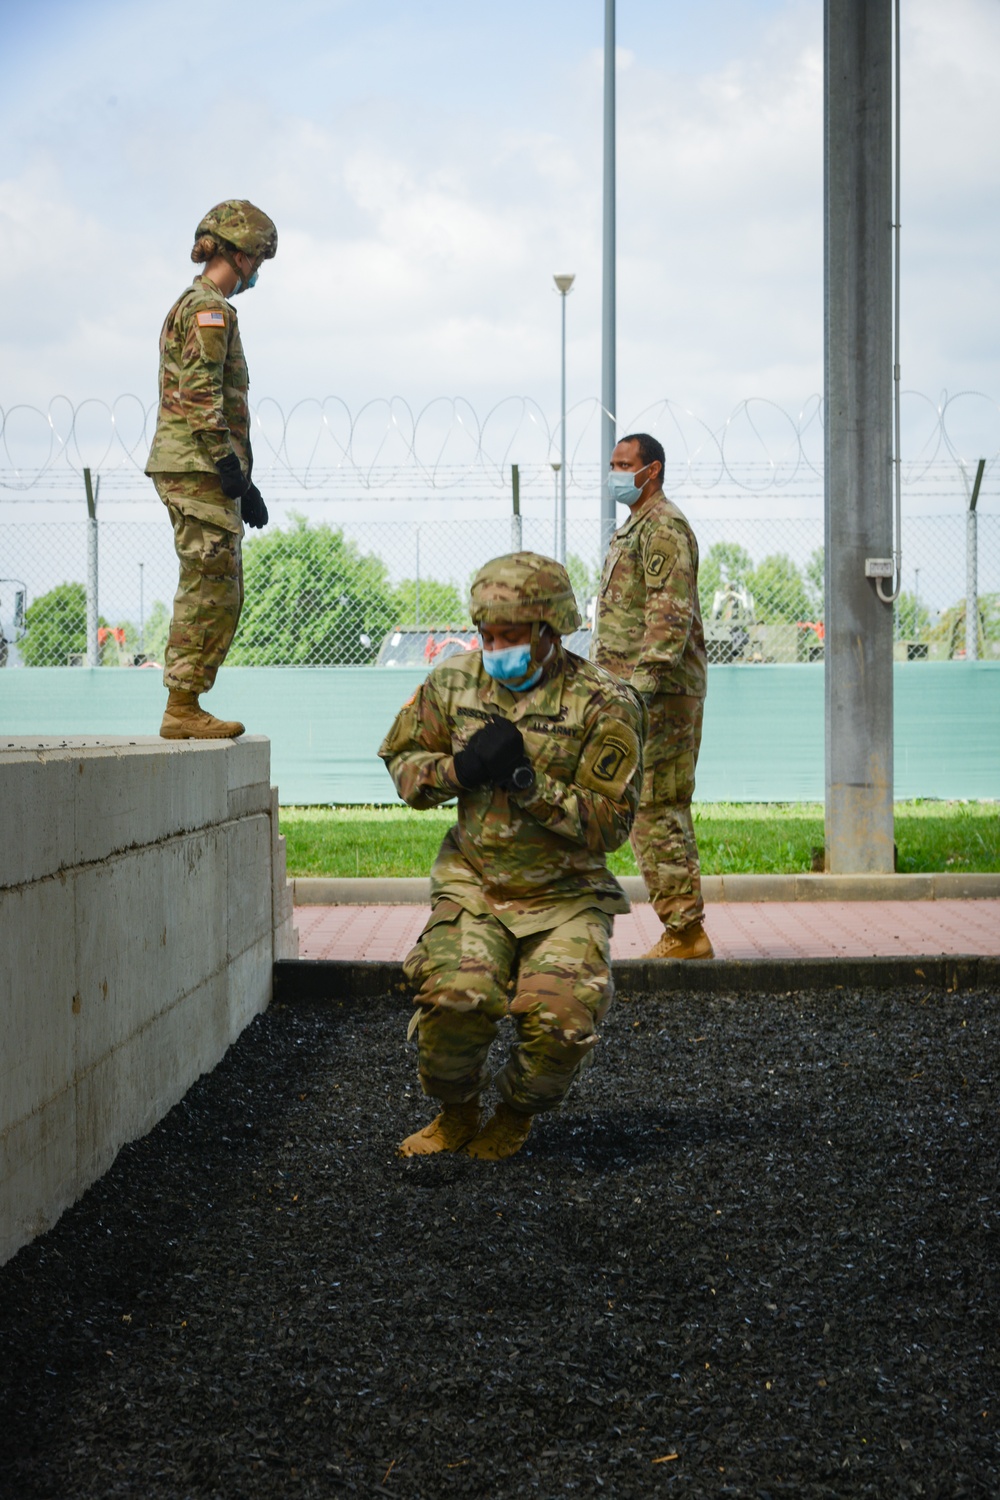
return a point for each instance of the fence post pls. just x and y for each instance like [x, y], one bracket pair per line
[972, 570]
[93, 650]
[417, 579]
[515, 520]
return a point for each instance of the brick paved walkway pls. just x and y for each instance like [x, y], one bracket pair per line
[759, 929]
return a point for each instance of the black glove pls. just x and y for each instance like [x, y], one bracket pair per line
[491, 754]
[231, 477]
[252, 507]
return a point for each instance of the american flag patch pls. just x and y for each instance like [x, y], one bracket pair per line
[211, 319]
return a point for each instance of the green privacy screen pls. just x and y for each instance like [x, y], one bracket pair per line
[763, 724]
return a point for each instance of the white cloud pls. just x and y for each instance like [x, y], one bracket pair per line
[424, 204]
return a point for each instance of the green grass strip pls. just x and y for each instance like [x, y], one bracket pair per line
[773, 838]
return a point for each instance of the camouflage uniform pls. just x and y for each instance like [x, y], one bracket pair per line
[203, 417]
[648, 631]
[522, 900]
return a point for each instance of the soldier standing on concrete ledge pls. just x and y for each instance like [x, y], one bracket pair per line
[648, 632]
[543, 752]
[201, 460]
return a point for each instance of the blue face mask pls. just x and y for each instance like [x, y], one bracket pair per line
[242, 286]
[622, 485]
[509, 665]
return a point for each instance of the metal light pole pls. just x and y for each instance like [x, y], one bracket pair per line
[563, 283]
[858, 398]
[556, 471]
[609, 397]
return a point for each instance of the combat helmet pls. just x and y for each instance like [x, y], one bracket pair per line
[244, 226]
[524, 588]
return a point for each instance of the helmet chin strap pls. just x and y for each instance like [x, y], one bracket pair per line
[241, 281]
[536, 660]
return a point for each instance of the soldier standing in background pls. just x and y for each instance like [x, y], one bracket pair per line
[648, 631]
[201, 460]
[543, 752]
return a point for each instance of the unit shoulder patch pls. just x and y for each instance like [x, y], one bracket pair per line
[610, 760]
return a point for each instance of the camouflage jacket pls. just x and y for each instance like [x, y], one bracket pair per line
[648, 629]
[532, 858]
[203, 385]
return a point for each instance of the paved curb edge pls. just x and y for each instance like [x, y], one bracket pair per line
[319, 979]
[415, 890]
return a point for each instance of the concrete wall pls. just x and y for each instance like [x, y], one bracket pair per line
[143, 901]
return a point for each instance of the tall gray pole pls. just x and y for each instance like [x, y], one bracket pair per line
[564, 283]
[609, 395]
[561, 524]
[858, 376]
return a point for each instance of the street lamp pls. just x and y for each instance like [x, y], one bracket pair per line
[563, 283]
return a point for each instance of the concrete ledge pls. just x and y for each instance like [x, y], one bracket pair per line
[416, 890]
[348, 980]
[143, 903]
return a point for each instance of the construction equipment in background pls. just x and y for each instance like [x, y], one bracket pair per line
[734, 635]
[13, 603]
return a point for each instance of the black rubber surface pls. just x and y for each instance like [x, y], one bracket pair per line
[757, 1256]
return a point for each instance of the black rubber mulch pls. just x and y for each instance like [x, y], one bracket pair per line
[757, 1256]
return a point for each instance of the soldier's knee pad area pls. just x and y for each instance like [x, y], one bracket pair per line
[548, 1007]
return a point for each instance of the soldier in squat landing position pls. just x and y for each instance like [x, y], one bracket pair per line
[648, 632]
[201, 460]
[542, 751]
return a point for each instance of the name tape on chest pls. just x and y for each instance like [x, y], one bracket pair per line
[610, 760]
[211, 319]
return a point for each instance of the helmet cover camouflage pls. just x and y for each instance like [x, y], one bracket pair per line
[241, 224]
[523, 588]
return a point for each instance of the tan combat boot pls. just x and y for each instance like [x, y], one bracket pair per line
[185, 720]
[693, 942]
[449, 1131]
[502, 1136]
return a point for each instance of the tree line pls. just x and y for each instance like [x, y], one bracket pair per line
[313, 598]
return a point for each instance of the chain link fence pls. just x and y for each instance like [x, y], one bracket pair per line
[367, 560]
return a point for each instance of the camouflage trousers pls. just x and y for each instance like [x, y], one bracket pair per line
[663, 832]
[209, 597]
[471, 971]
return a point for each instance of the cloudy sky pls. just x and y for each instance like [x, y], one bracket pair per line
[431, 163]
